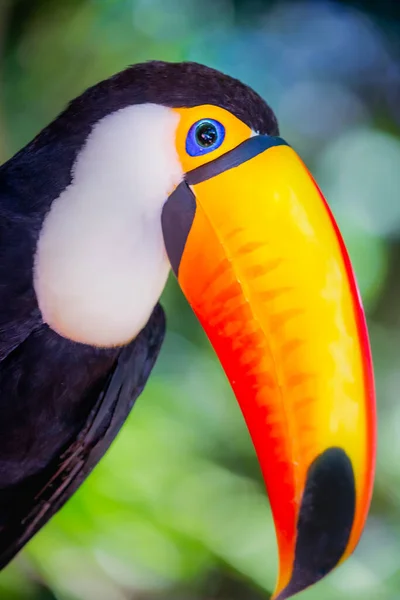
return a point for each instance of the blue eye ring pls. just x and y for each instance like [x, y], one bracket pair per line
[204, 136]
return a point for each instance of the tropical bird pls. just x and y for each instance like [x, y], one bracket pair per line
[178, 165]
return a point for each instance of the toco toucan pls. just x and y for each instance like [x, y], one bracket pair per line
[178, 165]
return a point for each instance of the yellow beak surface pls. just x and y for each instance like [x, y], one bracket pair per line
[263, 265]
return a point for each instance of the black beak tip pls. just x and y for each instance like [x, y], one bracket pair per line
[325, 520]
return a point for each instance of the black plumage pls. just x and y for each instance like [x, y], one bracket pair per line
[64, 414]
[62, 403]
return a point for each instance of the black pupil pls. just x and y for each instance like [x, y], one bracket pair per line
[206, 135]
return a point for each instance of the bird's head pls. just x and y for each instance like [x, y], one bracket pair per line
[179, 165]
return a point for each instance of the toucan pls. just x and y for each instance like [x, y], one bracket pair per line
[178, 166]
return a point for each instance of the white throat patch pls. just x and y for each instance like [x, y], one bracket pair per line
[100, 264]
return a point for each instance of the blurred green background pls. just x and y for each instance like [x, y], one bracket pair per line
[177, 509]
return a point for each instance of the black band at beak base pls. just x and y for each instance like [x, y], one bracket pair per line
[235, 157]
[179, 210]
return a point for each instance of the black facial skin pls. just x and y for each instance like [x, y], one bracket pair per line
[51, 389]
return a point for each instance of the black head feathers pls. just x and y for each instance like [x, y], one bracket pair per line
[175, 85]
[42, 169]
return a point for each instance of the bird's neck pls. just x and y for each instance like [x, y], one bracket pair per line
[100, 263]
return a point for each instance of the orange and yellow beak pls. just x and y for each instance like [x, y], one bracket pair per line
[260, 259]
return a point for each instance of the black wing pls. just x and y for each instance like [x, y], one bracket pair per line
[19, 312]
[26, 506]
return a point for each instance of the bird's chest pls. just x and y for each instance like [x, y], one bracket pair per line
[99, 272]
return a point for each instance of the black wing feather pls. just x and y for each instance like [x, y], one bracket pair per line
[33, 501]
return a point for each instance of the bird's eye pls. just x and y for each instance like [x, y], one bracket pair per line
[204, 136]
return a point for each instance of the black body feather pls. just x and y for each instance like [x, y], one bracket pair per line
[64, 419]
